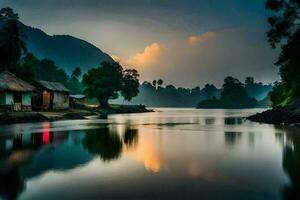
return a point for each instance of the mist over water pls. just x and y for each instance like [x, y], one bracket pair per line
[172, 153]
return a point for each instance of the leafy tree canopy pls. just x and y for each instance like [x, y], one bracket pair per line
[130, 85]
[104, 82]
[285, 31]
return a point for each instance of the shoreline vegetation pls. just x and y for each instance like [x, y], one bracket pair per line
[288, 115]
[7, 118]
[285, 34]
[234, 95]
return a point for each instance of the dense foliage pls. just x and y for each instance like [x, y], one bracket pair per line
[106, 81]
[233, 95]
[285, 31]
[12, 45]
[170, 96]
[130, 84]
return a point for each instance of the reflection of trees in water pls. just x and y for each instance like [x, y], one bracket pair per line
[210, 121]
[25, 159]
[11, 184]
[291, 163]
[233, 120]
[232, 137]
[103, 143]
[130, 137]
[251, 139]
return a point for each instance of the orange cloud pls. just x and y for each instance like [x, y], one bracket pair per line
[196, 39]
[149, 56]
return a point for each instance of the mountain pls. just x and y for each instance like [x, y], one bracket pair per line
[68, 52]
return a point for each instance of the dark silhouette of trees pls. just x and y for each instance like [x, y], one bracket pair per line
[12, 45]
[233, 95]
[8, 13]
[130, 84]
[160, 82]
[170, 96]
[285, 31]
[76, 73]
[73, 83]
[104, 82]
[154, 82]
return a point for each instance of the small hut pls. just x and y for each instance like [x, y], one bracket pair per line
[50, 95]
[77, 100]
[15, 94]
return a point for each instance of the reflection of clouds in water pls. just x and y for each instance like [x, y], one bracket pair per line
[147, 150]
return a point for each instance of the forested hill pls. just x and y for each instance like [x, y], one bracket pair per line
[67, 51]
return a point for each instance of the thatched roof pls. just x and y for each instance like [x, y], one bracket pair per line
[9, 82]
[53, 86]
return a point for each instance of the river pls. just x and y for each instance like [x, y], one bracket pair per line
[168, 154]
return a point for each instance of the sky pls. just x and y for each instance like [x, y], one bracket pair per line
[184, 42]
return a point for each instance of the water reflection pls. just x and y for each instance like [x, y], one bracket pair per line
[231, 138]
[233, 120]
[193, 156]
[291, 162]
[102, 142]
[130, 137]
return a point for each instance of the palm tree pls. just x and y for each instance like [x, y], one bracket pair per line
[76, 73]
[160, 82]
[12, 45]
[154, 82]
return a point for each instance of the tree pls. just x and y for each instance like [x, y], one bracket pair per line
[249, 81]
[233, 89]
[154, 82]
[285, 20]
[8, 13]
[103, 82]
[285, 31]
[160, 82]
[12, 45]
[76, 73]
[233, 95]
[73, 84]
[48, 70]
[130, 84]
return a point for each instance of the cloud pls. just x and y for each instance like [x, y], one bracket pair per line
[150, 56]
[196, 39]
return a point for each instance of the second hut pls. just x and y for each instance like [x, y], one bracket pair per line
[50, 96]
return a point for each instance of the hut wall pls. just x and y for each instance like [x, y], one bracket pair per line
[60, 100]
[26, 99]
[2, 98]
[9, 98]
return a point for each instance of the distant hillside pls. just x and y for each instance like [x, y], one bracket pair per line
[68, 52]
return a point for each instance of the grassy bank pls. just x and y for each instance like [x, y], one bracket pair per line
[70, 114]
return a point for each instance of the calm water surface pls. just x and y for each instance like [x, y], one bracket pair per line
[172, 154]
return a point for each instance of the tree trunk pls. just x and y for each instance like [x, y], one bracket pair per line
[104, 103]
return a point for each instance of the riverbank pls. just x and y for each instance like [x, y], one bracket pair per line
[283, 115]
[70, 114]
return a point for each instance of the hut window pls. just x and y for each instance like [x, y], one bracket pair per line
[17, 97]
